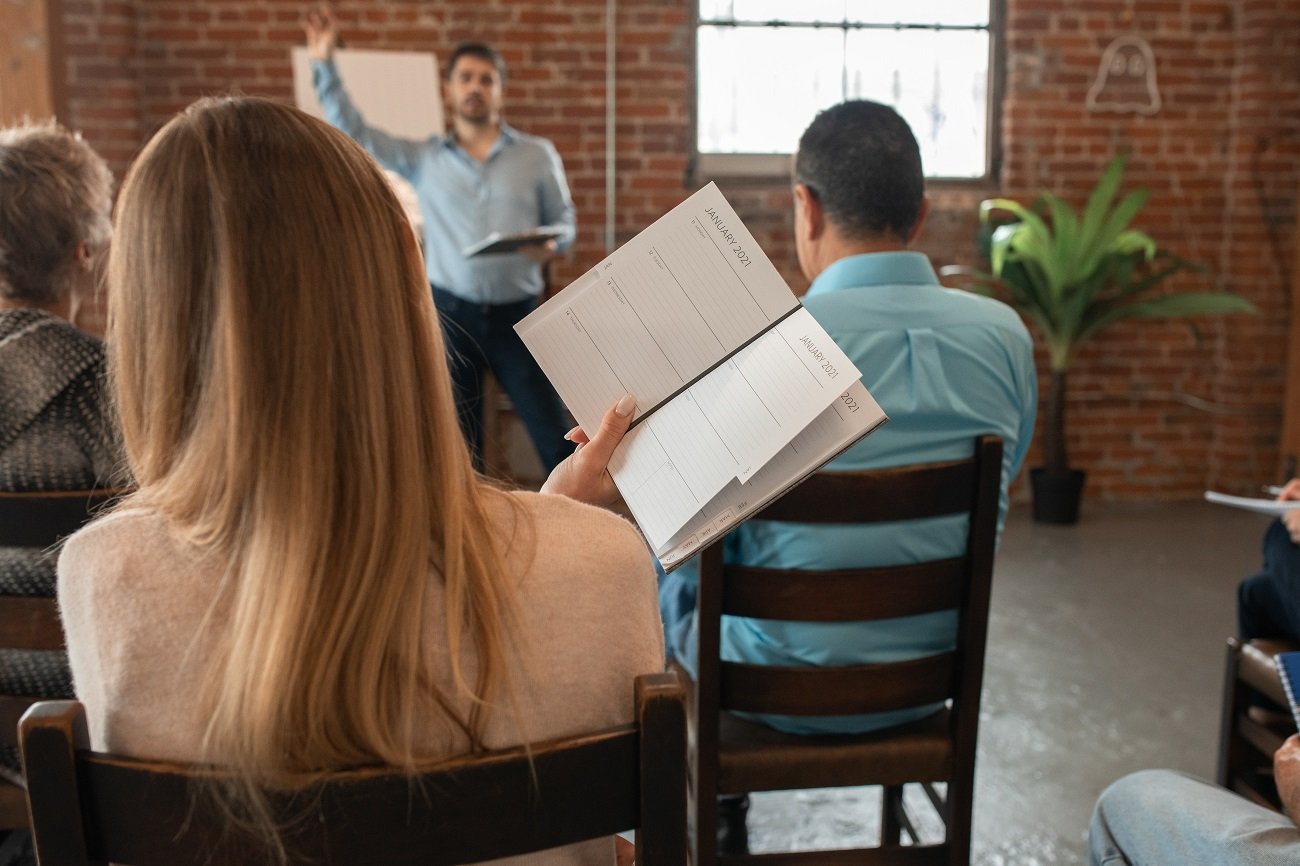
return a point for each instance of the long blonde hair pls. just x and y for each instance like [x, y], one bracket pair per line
[285, 404]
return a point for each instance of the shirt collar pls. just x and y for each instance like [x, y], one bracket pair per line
[509, 135]
[899, 267]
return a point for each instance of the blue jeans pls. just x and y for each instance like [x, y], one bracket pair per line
[1268, 603]
[482, 338]
[1160, 817]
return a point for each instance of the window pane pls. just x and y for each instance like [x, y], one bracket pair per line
[759, 87]
[938, 81]
[954, 13]
[773, 10]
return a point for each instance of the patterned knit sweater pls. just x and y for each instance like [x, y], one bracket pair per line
[53, 436]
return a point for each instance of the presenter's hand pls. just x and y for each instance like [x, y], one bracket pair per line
[582, 475]
[541, 253]
[1286, 772]
[322, 31]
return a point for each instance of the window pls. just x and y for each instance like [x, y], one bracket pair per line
[764, 68]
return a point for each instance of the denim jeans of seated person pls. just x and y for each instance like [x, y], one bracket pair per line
[1167, 818]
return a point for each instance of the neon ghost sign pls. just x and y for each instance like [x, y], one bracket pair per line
[1126, 78]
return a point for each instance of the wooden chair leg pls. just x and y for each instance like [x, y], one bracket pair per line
[1234, 701]
[891, 808]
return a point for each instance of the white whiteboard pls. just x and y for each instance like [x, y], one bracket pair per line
[396, 91]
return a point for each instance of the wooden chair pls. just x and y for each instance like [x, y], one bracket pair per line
[1246, 746]
[733, 756]
[89, 807]
[27, 623]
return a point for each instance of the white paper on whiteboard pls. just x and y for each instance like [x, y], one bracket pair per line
[396, 91]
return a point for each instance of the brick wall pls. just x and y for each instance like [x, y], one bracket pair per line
[1157, 411]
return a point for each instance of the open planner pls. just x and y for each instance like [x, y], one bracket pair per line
[740, 393]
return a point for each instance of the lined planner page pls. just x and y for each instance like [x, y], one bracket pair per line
[726, 426]
[853, 415]
[657, 313]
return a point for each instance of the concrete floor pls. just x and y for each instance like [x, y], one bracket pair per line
[1105, 656]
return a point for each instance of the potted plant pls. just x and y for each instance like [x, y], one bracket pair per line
[1072, 276]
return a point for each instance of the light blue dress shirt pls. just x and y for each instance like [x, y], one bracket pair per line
[519, 186]
[946, 366]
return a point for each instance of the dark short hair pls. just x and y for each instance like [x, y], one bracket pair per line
[481, 50]
[861, 161]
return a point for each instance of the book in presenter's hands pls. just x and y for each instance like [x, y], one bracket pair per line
[509, 243]
[740, 393]
[1288, 670]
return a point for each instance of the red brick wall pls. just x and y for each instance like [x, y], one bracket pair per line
[1220, 159]
[102, 43]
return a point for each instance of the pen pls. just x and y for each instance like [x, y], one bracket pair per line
[1272, 489]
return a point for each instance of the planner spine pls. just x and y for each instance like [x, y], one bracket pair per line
[1287, 686]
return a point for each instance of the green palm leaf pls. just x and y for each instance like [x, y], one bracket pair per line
[1072, 276]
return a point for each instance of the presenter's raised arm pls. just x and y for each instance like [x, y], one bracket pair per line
[400, 155]
[322, 31]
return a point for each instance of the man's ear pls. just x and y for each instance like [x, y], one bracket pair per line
[83, 256]
[810, 219]
[920, 221]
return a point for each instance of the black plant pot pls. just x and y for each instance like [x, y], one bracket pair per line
[1056, 495]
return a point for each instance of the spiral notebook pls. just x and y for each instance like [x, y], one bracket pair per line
[1288, 669]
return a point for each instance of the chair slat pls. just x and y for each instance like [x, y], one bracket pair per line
[839, 690]
[463, 815]
[13, 805]
[913, 855]
[30, 623]
[91, 807]
[846, 595]
[12, 708]
[41, 519]
[878, 495]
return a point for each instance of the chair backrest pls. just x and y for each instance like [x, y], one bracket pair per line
[1247, 743]
[42, 519]
[39, 520]
[960, 583]
[91, 807]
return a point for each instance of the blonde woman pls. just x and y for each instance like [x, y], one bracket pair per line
[311, 575]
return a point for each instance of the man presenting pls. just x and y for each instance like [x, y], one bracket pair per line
[482, 177]
[945, 365]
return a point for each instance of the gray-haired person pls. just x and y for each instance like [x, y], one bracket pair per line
[55, 204]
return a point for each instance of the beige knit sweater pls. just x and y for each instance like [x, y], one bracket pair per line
[134, 600]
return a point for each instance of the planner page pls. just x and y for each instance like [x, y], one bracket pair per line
[726, 365]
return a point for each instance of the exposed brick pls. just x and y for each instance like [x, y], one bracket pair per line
[1221, 159]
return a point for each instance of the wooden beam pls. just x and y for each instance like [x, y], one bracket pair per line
[32, 69]
[1290, 451]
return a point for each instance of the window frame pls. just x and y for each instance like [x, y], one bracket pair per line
[764, 169]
